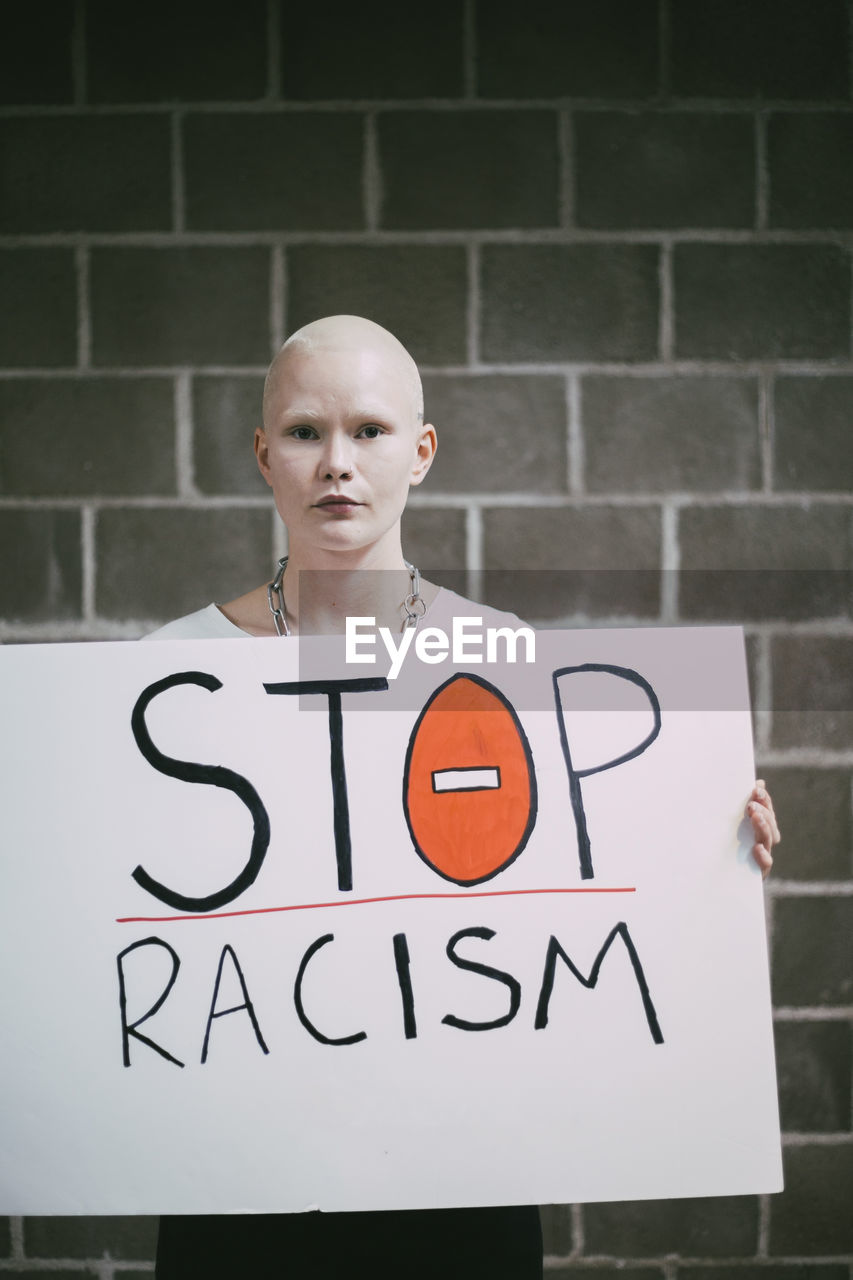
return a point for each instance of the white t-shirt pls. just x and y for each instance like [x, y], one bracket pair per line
[211, 624]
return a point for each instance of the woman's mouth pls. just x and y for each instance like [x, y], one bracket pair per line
[337, 504]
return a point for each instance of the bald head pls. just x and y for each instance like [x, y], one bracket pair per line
[352, 334]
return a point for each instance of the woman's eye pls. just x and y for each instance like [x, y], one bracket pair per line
[303, 433]
[370, 432]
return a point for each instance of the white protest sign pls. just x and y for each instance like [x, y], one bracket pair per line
[266, 952]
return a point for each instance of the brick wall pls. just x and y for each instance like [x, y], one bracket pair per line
[616, 235]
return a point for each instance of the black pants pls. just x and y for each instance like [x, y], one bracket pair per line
[411, 1244]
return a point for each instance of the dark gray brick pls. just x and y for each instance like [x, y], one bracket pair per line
[765, 1271]
[5, 1237]
[651, 170]
[560, 562]
[813, 1064]
[569, 302]
[39, 313]
[813, 1216]
[812, 433]
[557, 1235]
[226, 411]
[761, 301]
[274, 172]
[85, 173]
[434, 540]
[748, 563]
[180, 306]
[718, 1226]
[41, 567]
[192, 51]
[660, 434]
[375, 49]
[813, 807]
[604, 50]
[381, 283]
[813, 951]
[121, 1237]
[498, 433]
[450, 169]
[220, 555]
[812, 691]
[35, 54]
[107, 436]
[811, 177]
[767, 48]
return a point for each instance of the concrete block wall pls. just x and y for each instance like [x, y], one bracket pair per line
[616, 234]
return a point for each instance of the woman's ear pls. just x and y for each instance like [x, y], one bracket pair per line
[262, 454]
[427, 445]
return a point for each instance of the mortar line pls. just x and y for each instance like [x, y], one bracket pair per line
[87, 562]
[534, 237]
[258, 106]
[184, 433]
[84, 322]
[278, 299]
[670, 563]
[743, 370]
[575, 440]
[474, 550]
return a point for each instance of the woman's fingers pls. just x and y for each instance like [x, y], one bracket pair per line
[764, 826]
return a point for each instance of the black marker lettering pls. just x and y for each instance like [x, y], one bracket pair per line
[575, 775]
[129, 1029]
[404, 978]
[333, 690]
[211, 775]
[221, 1013]
[488, 972]
[555, 950]
[300, 1007]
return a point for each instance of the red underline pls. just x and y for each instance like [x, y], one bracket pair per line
[360, 902]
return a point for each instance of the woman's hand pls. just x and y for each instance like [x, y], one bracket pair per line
[765, 828]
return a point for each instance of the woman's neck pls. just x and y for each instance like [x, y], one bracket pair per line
[319, 596]
[318, 601]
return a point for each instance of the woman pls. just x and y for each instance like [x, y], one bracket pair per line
[342, 441]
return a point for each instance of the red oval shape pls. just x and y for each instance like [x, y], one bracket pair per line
[469, 829]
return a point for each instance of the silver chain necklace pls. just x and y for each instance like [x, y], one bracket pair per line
[413, 605]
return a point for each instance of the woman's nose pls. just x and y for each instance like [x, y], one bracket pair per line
[336, 462]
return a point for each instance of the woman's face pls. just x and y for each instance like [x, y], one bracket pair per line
[341, 444]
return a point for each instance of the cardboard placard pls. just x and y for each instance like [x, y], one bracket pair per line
[500, 943]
